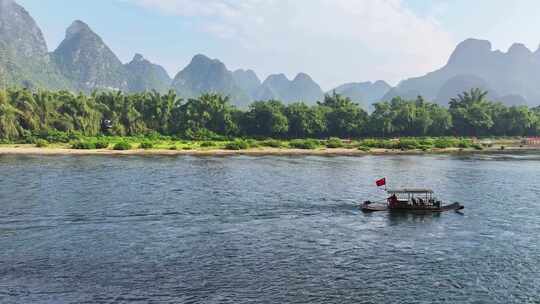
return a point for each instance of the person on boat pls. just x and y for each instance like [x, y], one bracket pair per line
[393, 200]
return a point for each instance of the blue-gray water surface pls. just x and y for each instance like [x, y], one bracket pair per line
[266, 230]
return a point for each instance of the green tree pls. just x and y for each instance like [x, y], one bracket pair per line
[471, 113]
[344, 118]
[266, 119]
[381, 121]
[441, 120]
[513, 121]
[305, 121]
[9, 125]
[210, 112]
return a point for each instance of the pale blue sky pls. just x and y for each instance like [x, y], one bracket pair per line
[335, 41]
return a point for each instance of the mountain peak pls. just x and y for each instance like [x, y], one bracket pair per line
[76, 28]
[205, 75]
[19, 30]
[301, 88]
[382, 83]
[23, 47]
[138, 58]
[144, 75]
[302, 77]
[469, 51]
[200, 58]
[519, 49]
[364, 93]
[473, 43]
[277, 77]
[84, 58]
[247, 80]
[249, 72]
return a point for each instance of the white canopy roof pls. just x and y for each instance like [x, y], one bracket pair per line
[410, 190]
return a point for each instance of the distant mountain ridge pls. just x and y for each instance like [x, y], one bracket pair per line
[365, 92]
[279, 87]
[84, 62]
[144, 75]
[23, 51]
[205, 75]
[513, 75]
[247, 80]
[88, 62]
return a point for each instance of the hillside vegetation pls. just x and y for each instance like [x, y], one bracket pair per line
[26, 115]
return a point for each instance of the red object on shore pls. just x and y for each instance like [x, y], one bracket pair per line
[381, 182]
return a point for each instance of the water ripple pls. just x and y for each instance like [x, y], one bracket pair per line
[265, 230]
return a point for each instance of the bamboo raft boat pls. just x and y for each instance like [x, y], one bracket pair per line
[410, 200]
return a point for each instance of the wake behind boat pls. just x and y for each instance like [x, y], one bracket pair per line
[408, 199]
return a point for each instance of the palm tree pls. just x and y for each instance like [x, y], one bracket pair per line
[469, 98]
[471, 113]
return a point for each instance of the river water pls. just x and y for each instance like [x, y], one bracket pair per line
[266, 230]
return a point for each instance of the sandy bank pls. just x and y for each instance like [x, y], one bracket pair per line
[31, 150]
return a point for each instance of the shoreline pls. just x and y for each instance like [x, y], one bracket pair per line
[52, 151]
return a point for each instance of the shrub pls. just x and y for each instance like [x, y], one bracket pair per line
[408, 144]
[122, 146]
[54, 136]
[425, 148]
[306, 144]
[364, 148]
[334, 143]
[444, 143]
[41, 143]
[272, 143]
[83, 145]
[208, 144]
[101, 144]
[464, 144]
[380, 144]
[203, 134]
[478, 147]
[146, 145]
[252, 143]
[237, 145]
[372, 143]
[426, 142]
[389, 144]
[27, 138]
[155, 136]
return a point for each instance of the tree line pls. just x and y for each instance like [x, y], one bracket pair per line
[25, 113]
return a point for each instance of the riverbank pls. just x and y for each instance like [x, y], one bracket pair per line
[32, 150]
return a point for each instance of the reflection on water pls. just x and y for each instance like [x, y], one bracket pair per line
[397, 218]
[266, 230]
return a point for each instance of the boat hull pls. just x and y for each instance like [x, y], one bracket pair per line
[367, 207]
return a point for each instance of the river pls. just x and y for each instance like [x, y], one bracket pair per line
[105, 229]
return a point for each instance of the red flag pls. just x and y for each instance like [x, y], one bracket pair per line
[381, 182]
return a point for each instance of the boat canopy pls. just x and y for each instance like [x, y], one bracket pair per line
[410, 191]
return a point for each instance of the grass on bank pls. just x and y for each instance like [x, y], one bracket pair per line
[158, 142]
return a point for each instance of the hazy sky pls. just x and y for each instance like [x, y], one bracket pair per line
[334, 41]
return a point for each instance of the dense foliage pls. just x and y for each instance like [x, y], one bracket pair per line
[63, 117]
